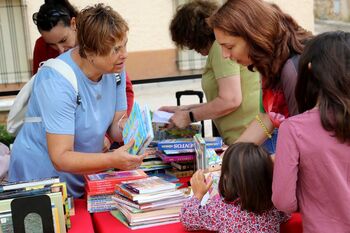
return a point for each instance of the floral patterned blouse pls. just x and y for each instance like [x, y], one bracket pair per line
[218, 215]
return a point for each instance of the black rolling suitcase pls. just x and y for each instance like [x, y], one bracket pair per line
[190, 92]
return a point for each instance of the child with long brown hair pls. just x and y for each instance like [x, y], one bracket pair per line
[312, 168]
[245, 188]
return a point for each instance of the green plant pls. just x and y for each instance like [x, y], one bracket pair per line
[5, 137]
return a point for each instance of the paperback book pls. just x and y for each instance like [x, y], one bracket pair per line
[138, 127]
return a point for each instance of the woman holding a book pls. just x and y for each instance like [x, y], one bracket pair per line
[56, 22]
[232, 91]
[68, 140]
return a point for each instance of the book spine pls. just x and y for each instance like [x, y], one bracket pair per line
[182, 166]
[21, 185]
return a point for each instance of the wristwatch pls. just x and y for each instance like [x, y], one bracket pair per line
[190, 113]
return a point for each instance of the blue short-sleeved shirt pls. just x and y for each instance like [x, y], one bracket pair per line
[54, 100]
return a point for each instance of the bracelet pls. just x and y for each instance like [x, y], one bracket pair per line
[257, 117]
[190, 113]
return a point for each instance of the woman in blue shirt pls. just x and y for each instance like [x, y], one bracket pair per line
[68, 142]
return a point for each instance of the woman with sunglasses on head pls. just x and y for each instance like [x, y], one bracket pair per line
[56, 22]
[262, 37]
[68, 141]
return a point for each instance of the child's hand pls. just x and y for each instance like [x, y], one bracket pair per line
[199, 186]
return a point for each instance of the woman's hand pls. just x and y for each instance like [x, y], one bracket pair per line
[122, 160]
[180, 119]
[198, 184]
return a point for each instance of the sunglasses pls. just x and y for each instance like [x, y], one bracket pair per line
[51, 16]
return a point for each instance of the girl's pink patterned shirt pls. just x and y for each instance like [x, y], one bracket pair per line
[218, 215]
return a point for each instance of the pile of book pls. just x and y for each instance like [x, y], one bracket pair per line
[100, 188]
[148, 202]
[182, 155]
[25, 191]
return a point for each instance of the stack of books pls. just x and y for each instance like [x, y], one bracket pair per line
[181, 154]
[148, 202]
[52, 187]
[100, 188]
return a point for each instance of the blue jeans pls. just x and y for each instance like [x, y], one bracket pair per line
[270, 143]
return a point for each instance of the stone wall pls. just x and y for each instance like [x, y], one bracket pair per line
[332, 9]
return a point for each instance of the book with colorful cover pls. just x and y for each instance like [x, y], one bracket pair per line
[200, 148]
[107, 180]
[138, 127]
[28, 184]
[160, 122]
[206, 159]
[176, 158]
[187, 144]
[149, 185]
[147, 198]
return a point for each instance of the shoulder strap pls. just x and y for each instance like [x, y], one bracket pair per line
[64, 69]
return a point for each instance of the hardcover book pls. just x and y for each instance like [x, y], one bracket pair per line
[149, 185]
[176, 158]
[187, 144]
[107, 180]
[138, 127]
[206, 159]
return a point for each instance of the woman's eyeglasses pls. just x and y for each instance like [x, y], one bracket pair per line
[51, 16]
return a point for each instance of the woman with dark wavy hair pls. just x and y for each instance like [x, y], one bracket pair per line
[231, 90]
[312, 167]
[260, 36]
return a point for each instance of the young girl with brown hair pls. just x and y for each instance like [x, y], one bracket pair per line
[245, 188]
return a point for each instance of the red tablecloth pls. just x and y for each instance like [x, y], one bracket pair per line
[105, 223]
[294, 225]
[81, 221]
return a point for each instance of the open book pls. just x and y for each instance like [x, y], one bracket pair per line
[160, 121]
[138, 127]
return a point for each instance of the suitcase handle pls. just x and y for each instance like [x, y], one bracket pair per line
[189, 92]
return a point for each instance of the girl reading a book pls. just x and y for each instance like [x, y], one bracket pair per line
[312, 167]
[68, 141]
[245, 192]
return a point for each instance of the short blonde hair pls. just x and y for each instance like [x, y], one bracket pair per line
[99, 28]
